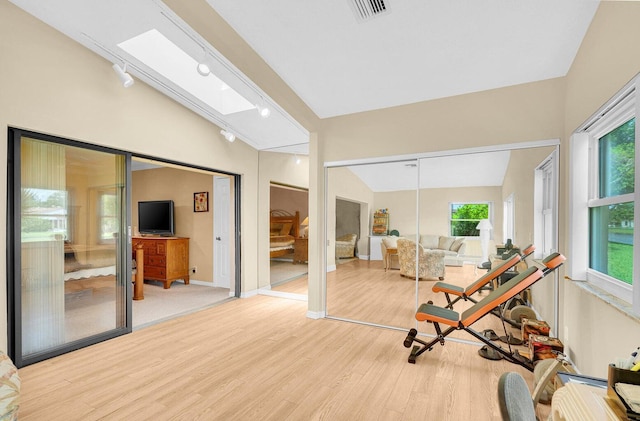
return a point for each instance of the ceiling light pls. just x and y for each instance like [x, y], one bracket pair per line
[263, 111]
[124, 77]
[228, 135]
[203, 69]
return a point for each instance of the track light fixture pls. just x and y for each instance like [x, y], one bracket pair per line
[203, 69]
[263, 111]
[125, 78]
[228, 135]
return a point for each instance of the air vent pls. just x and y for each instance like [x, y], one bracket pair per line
[368, 9]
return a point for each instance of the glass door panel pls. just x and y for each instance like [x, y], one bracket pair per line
[71, 214]
[364, 280]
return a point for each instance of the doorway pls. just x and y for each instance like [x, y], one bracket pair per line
[288, 268]
[71, 213]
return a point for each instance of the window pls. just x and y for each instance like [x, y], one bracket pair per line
[611, 208]
[44, 212]
[108, 216]
[464, 217]
[603, 198]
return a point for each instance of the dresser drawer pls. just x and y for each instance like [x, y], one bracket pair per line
[156, 260]
[154, 272]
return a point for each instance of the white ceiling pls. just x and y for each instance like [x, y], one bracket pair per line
[420, 50]
[485, 169]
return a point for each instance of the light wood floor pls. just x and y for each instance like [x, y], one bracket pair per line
[261, 358]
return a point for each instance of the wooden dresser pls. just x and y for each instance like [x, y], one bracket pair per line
[166, 259]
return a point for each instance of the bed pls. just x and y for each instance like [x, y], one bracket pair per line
[284, 229]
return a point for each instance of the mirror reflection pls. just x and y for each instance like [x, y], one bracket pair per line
[446, 219]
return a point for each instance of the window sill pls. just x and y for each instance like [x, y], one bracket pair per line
[617, 303]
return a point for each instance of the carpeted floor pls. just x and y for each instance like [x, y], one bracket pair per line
[90, 306]
[161, 304]
[284, 270]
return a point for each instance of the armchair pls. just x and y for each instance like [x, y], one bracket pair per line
[431, 262]
[346, 246]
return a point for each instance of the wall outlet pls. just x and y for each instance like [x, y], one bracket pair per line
[194, 269]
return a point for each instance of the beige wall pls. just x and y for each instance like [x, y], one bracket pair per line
[434, 208]
[597, 332]
[53, 85]
[519, 181]
[78, 97]
[179, 186]
[543, 110]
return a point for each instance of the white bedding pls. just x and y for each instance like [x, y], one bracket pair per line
[88, 273]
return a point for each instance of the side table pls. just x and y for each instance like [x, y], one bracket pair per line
[301, 250]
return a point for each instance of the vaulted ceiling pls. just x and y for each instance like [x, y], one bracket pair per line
[336, 61]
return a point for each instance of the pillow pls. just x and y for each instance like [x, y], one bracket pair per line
[286, 228]
[275, 229]
[445, 242]
[429, 241]
[455, 246]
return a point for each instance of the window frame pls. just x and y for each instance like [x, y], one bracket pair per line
[584, 194]
[490, 217]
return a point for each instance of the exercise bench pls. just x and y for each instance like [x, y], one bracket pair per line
[465, 293]
[428, 312]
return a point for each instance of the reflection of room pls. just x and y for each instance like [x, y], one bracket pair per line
[288, 231]
[442, 183]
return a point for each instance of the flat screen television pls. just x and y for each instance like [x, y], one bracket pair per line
[156, 217]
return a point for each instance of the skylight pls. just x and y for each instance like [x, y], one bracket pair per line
[156, 51]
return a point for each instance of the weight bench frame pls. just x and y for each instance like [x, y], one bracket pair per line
[456, 321]
[465, 293]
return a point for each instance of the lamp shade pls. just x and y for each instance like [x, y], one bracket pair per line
[484, 224]
[306, 221]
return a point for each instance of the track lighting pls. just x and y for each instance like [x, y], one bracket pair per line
[228, 135]
[263, 111]
[203, 69]
[124, 77]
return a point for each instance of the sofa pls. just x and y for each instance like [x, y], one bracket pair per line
[453, 248]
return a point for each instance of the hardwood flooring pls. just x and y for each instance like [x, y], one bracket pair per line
[261, 358]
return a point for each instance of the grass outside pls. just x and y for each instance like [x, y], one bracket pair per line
[621, 262]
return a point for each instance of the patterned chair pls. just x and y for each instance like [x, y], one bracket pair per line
[346, 246]
[431, 261]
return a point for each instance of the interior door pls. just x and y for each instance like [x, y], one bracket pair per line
[221, 215]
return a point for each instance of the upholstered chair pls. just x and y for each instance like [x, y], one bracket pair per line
[431, 264]
[346, 246]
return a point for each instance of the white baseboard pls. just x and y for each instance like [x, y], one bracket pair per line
[363, 256]
[331, 268]
[316, 314]
[249, 294]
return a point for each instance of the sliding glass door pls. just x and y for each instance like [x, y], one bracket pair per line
[67, 236]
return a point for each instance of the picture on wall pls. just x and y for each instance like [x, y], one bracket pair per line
[201, 202]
